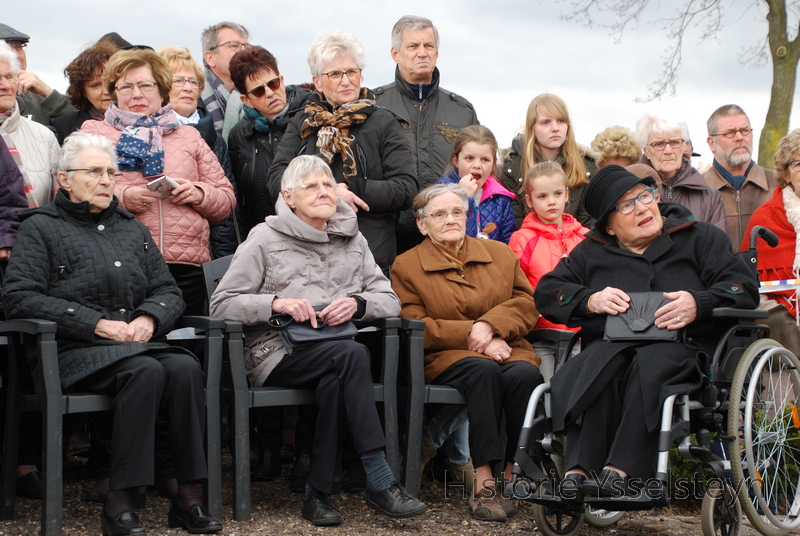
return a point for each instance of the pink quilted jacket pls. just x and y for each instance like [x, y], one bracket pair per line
[180, 231]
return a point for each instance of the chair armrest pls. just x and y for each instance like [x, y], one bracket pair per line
[732, 312]
[391, 322]
[548, 334]
[412, 324]
[201, 322]
[27, 325]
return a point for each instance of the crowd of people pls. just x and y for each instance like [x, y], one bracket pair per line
[339, 202]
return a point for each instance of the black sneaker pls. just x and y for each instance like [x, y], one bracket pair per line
[318, 509]
[394, 502]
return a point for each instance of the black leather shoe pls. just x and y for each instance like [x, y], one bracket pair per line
[195, 519]
[608, 483]
[394, 502]
[356, 481]
[571, 488]
[122, 524]
[269, 467]
[299, 473]
[30, 485]
[318, 509]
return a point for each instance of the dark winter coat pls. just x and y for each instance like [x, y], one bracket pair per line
[688, 255]
[252, 153]
[69, 123]
[385, 178]
[73, 270]
[12, 196]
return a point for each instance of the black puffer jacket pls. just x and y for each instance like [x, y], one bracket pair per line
[385, 177]
[71, 269]
[252, 153]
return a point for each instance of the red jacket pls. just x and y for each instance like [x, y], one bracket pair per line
[540, 246]
[775, 263]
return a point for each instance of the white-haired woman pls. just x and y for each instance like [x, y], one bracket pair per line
[62, 251]
[662, 143]
[365, 145]
[339, 281]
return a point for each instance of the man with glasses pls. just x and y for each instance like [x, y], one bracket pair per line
[662, 143]
[743, 184]
[436, 115]
[36, 100]
[220, 98]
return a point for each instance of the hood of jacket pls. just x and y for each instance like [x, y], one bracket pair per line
[676, 217]
[342, 223]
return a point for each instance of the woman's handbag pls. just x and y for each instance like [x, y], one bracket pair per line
[298, 335]
[638, 322]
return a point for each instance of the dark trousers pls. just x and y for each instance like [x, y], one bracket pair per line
[140, 385]
[490, 388]
[193, 287]
[340, 372]
[269, 423]
[613, 430]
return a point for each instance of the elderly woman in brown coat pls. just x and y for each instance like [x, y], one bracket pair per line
[477, 306]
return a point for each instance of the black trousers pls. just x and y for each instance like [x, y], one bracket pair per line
[340, 372]
[613, 430]
[193, 287]
[140, 385]
[490, 388]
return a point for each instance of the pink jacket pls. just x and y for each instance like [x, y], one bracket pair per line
[180, 231]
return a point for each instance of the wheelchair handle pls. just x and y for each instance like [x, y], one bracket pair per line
[768, 236]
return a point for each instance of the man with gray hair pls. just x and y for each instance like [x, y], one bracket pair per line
[743, 184]
[36, 100]
[220, 98]
[436, 115]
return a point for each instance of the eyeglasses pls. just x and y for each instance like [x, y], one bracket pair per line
[233, 45]
[627, 206]
[336, 76]
[180, 82]
[661, 145]
[315, 187]
[127, 89]
[794, 164]
[98, 171]
[259, 91]
[746, 131]
[458, 214]
[18, 46]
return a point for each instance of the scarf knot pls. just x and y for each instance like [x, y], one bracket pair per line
[140, 146]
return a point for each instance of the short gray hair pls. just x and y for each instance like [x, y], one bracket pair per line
[330, 46]
[411, 22]
[302, 167]
[654, 125]
[426, 196]
[209, 37]
[77, 142]
[728, 110]
[8, 55]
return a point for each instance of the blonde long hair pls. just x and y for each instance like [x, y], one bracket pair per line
[553, 106]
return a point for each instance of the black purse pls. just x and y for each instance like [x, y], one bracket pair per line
[299, 335]
[638, 322]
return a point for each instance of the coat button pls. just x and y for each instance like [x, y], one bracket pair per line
[70, 309]
[323, 258]
[117, 264]
[101, 227]
[162, 304]
[122, 311]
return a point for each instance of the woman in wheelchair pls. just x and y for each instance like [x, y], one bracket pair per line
[90, 267]
[477, 306]
[607, 399]
[312, 254]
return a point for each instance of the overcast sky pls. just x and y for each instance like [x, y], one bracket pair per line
[497, 54]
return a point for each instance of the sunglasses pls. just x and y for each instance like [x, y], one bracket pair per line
[259, 91]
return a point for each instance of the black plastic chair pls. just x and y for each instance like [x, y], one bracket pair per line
[245, 397]
[53, 403]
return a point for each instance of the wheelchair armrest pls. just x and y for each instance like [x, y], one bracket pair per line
[732, 312]
[27, 325]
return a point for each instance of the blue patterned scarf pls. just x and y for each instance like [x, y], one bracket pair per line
[140, 146]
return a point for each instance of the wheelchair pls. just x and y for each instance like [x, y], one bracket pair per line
[741, 429]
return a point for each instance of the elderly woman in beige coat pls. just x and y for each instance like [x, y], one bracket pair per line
[477, 306]
[309, 261]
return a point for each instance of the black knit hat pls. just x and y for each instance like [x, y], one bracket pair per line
[606, 187]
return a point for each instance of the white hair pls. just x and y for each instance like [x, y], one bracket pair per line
[302, 167]
[8, 55]
[331, 46]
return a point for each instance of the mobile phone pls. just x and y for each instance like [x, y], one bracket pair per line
[162, 185]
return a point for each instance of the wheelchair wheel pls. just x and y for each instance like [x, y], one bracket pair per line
[600, 518]
[764, 424]
[718, 516]
[556, 522]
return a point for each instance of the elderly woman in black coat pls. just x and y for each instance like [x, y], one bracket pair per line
[95, 271]
[607, 399]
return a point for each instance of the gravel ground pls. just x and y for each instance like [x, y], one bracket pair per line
[276, 510]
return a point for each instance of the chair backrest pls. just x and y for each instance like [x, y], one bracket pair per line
[213, 272]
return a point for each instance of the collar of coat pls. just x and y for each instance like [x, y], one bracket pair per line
[432, 259]
[342, 223]
[296, 101]
[402, 85]
[676, 217]
[62, 207]
[689, 178]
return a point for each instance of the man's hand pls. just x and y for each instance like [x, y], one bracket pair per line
[30, 83]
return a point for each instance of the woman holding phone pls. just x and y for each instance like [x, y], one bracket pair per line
[151, 143]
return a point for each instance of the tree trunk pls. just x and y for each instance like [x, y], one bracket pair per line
[785, 55]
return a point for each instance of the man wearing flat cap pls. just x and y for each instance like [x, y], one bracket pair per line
[36, 100]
